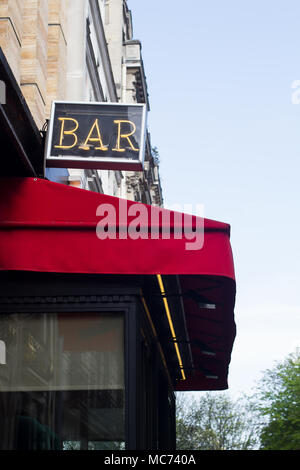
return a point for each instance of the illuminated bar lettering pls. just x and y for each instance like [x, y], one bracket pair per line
[89, 138]
[124, 136]
[64, 132]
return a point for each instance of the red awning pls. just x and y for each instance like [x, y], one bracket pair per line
[49, 227]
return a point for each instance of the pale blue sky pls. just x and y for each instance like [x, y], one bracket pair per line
[220, 80]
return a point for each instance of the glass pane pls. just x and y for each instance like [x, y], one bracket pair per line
[62, 381]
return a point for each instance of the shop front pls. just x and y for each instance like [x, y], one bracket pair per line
[98, 334]
[107, 307]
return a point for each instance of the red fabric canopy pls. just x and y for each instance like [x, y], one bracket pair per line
[49, 227]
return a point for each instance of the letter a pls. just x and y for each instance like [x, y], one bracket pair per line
[106, 228]
[89, 138]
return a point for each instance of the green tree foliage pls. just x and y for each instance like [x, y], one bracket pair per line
[279, 403]
[213, 421]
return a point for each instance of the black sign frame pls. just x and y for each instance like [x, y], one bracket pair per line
[96, 135]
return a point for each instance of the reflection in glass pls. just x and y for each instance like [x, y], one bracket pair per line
[62, 384]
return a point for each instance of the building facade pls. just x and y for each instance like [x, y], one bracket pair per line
[98, 328]
[80, 50]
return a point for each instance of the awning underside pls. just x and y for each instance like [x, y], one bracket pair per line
[208, 306]
[48, 227]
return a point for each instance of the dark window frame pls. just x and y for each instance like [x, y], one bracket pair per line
[85, 293]
[50, 304]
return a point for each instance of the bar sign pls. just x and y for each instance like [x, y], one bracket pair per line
[96, 136]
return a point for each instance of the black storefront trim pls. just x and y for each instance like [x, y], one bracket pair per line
[149, 422]
[21, 142]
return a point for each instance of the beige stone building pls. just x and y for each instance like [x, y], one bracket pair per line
[80, 50]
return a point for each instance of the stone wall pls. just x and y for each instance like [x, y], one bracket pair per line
[57, 52]
[33, 39]
[11, 32]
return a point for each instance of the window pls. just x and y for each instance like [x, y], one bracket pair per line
[62, 381]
